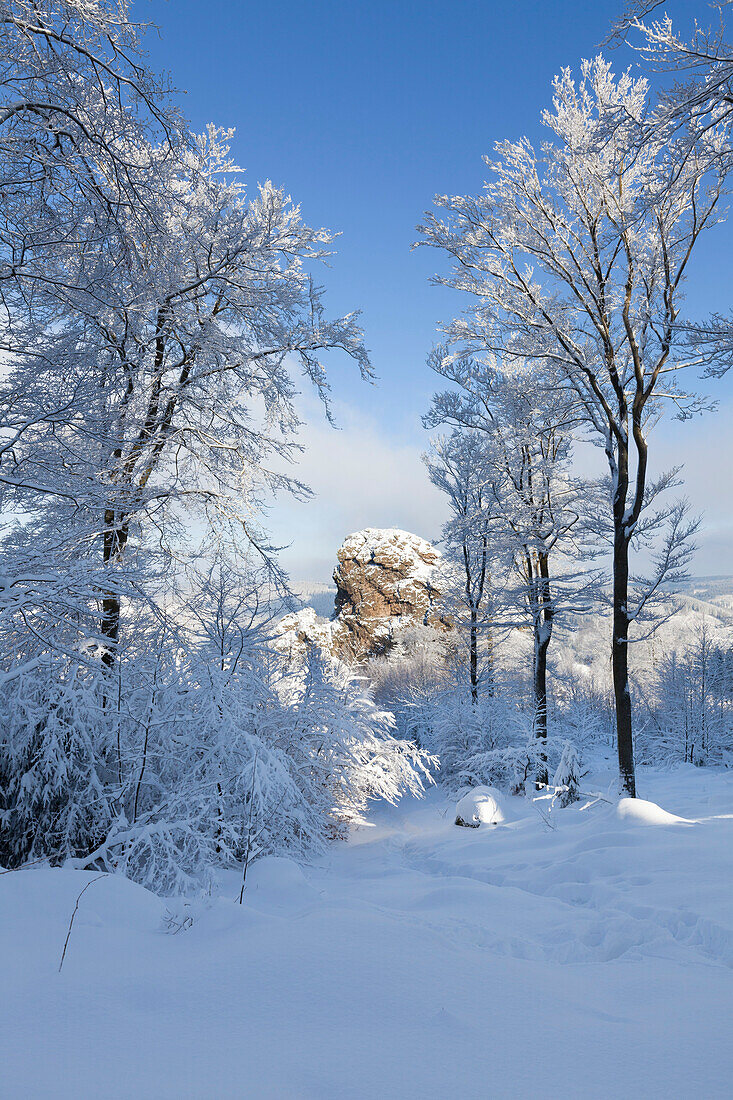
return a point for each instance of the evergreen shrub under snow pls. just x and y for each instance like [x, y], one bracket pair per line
[195, 760]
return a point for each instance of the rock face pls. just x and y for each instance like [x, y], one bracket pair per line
[385, 580]
[305, 627]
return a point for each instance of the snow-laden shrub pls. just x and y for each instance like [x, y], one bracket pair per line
[584, 710]
[688, 705]
[205, 748]
[264, 758]
[408, 679]
[566, 779]
[58, 777]
[488, 743]
[209, 771]
[459, 729]
[510, 767]
[349, 751]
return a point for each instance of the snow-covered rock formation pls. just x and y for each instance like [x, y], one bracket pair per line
[386, 581]
[305, 627]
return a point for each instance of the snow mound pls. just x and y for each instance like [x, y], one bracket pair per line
[481, 806]
[647, 813]
[277, 882]
[296, 631]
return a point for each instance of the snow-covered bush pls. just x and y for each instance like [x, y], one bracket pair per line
[58, 780]
[566, 779]
[462, 730]
[512, 766]
[583, 708]
[490, 742]
[265, 758]
[407, 680]
[350, 754]
[207, 747]
[688, 704]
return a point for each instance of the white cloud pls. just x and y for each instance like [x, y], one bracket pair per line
[362, 476]
[704, 449]
[368, 475]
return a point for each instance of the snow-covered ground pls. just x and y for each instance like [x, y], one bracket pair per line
[587, 953]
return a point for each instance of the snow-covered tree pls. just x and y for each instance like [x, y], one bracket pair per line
[457, 465]
[566, 780]
[528, 498]
[58, 766]
[83, 125]
[575, 256]
[156, 318]
[184, 370]
[77, 103]
[688, 699]
[697, 105]
[701, 65]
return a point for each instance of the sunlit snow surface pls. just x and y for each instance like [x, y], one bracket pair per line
[480, 806]
[575, 953]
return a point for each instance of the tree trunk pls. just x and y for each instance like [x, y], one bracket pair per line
[541, 643]
[115, 539]
[110, 626]
[474, 655]
[620, 663]
[543, 620]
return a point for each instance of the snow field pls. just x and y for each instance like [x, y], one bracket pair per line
[572, 954]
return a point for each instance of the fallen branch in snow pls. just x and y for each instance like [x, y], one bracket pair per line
[594, 798]
[33, 862]
[71, 922]
[173, 926]
[553, 792]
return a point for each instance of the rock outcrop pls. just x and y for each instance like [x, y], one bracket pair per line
[306, 627]
[387, 581]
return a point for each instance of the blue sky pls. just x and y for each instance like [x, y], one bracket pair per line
[363, 111]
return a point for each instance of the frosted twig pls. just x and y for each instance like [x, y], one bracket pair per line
[71, 922]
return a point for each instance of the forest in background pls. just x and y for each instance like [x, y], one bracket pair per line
[158, 319]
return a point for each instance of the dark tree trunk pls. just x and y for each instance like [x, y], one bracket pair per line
[111, 609]
[540, 705]
[473, 644]
[542, 634]
[620, 662]
[115, 539]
